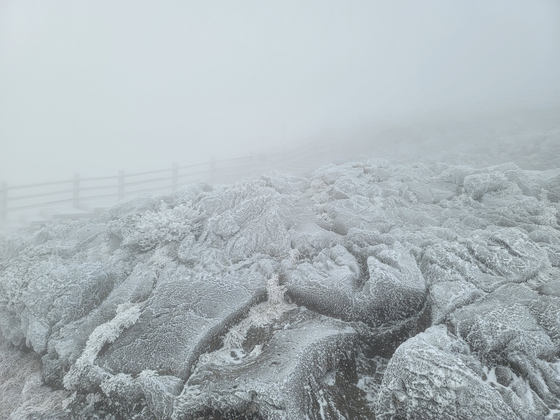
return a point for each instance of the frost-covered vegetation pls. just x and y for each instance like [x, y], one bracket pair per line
[368, 290]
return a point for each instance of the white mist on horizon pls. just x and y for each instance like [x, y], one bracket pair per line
[99, 87]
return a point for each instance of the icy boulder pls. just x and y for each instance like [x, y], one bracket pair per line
[518, 327]
[509, 253]
[392, 290]
[434, 376]
[329, 174]
[356, 212]
[154, 393]
[67, 342]
[294, 367]
[516, 210]
[285, 183]
[487, 260]
[180, 321]
[265, 233]
[54, 280]
[309, 239]
[448, 296]
[389, 301]
[245, 224]
[526, 183]
[476, 185]
[327, 284]
[396, 288]
[551, 288]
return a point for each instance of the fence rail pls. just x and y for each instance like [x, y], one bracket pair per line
[83, 193]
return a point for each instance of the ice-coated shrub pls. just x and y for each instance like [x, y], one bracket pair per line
[156, 227]
[127, 315]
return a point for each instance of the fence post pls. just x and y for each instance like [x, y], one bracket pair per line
[212, 169]
[76, 191]
[175, 178]
[121, 185]
[3, 201]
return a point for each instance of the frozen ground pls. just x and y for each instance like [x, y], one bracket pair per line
[369, 290]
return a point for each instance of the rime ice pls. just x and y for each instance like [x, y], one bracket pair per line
[285, 297]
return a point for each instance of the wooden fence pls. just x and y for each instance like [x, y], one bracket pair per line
[88, 194]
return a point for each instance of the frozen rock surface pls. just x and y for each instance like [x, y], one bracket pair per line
[368, 290]
[433, 376]
[283, 370]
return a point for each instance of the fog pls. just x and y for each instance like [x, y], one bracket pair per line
[97, 87]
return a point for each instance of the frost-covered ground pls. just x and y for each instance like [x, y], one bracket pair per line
[368, 290]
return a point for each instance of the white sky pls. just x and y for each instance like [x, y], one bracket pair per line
[98, 86]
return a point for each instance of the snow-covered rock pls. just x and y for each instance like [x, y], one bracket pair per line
[284, 297]
[434, 376]
[283, 370]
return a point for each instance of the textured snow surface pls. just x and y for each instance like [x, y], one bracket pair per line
[368, 290]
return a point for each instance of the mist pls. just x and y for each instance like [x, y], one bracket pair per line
[279, 210]
[97, 87]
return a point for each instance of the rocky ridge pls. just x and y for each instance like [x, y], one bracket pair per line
[368, 290]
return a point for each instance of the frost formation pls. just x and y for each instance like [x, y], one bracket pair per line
[368, 290]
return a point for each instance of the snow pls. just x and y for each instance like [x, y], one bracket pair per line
[333, 296]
